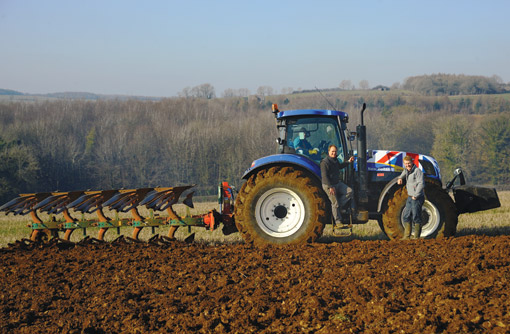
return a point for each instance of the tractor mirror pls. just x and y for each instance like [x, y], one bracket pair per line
[460, 173]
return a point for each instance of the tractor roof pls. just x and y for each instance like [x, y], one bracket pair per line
[311, 112]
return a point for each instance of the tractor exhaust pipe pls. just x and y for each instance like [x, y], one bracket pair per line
[361, 132]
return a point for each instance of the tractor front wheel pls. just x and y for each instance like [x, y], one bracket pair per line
[439, 214]
[281, 206]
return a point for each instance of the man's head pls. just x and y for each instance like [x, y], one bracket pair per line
[303, 133]
[332, 151]
[408, 162]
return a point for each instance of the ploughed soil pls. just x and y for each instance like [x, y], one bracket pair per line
[425, 286]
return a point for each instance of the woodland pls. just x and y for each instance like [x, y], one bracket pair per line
[77, 144]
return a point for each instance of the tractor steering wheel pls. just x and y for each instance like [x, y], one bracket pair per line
[323, 146]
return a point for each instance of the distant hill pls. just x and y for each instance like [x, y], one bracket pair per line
[9, 92]
[15, 95]
[73, 95]
[455, 84]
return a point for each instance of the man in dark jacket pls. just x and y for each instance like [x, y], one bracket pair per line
[339, 194]
[415, 182]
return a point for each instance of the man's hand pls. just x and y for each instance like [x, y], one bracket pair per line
[332, 191]
[399, 181]
[351, 159]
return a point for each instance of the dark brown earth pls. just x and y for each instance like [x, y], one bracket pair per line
[425, 286]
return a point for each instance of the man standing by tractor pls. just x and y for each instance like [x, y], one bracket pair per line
[416, 197]
[339, 194]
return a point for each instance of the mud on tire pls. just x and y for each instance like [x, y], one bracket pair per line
[439, 214]
[281, 205]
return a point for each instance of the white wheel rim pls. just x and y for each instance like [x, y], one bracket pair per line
[430, 219]
[280, 212]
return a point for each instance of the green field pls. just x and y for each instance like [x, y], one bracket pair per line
[491, 222]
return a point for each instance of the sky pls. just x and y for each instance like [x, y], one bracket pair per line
[158, 48]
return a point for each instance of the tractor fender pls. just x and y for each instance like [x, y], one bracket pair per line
[388, 189]
[284, 160]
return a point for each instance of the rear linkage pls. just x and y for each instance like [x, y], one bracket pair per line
[120, 200]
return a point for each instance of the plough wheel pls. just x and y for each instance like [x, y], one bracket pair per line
[43, 235]
[171, 231]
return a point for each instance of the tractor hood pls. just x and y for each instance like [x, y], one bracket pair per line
[393, 161]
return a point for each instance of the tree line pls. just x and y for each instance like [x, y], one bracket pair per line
[77, 144]
[435, 84]
[455, 84]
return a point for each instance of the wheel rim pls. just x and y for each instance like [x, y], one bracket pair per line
[280, 212]
[430, 218]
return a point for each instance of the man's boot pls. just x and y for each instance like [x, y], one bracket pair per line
[407, 231]
[417, 231]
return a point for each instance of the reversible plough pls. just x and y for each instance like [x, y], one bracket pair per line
[62, 207]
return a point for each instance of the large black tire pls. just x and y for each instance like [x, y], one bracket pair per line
[281, 205]
[439, 214]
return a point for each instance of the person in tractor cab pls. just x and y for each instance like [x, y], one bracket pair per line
[415, 182]
[301, 143]
[339, 194]
[303, 146]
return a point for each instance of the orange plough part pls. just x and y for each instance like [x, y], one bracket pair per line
[67, 204]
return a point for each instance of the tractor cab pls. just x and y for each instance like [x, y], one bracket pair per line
[311, 132]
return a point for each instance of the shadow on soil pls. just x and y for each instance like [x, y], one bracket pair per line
[490, 231]
[487, 231]
[328, 236]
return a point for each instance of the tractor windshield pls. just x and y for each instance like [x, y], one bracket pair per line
[312, 136]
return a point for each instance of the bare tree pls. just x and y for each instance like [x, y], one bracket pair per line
[497, 79]
[243, 92]
[264, 91]
[453, 143]
[287, 90]
[363, 84]
[345, 84]
[204, 91]
[186, 92]
[229, 92]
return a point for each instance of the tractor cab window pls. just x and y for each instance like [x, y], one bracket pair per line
[311, 137]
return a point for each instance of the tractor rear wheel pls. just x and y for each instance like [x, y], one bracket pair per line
[439, 214]
[281, 205]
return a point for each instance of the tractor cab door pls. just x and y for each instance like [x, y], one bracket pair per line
[311, 137]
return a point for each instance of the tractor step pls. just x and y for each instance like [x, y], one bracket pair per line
[342, 230]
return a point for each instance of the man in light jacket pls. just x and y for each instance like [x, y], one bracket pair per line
[415, 183]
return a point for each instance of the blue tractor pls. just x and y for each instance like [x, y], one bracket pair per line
[282, 201]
